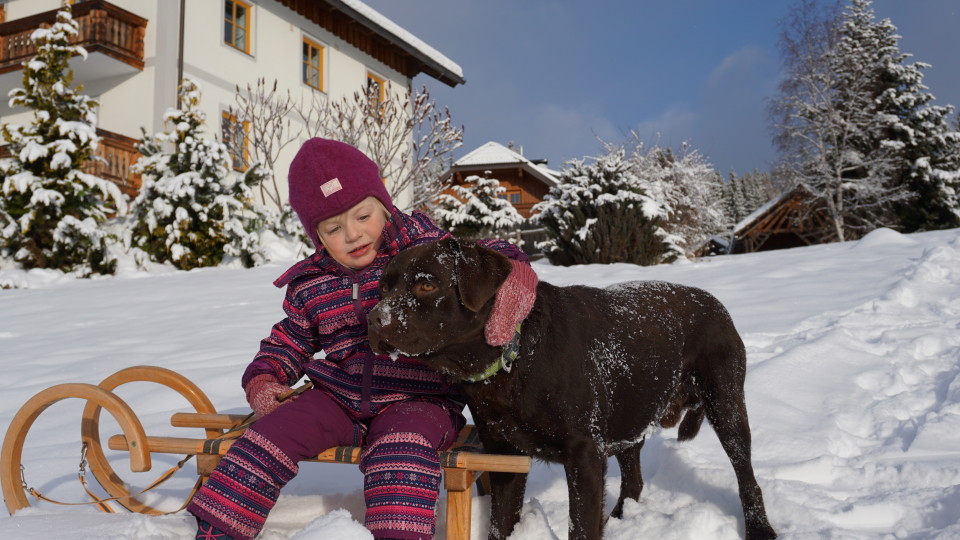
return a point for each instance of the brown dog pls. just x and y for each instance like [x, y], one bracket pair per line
[596, 369]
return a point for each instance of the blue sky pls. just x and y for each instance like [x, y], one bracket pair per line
[552, 76]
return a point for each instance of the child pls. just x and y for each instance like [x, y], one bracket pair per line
[401, 412]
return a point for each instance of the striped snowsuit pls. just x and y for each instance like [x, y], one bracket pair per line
[398, 409]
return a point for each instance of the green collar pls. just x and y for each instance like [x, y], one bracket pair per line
[505, 362]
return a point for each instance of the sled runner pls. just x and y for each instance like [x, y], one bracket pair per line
[463, 465]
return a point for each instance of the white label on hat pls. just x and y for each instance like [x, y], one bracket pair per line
[330, 187]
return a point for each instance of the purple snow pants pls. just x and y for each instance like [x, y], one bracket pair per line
[400, 464]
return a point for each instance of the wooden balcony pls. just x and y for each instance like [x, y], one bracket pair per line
[118, 153]
[104, 28]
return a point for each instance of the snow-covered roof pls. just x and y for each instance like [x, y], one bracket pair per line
[449, 71]
[490, 153]
[753, 216]
[493, 154]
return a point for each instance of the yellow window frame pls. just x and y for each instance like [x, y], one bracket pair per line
[376, 103]
[231, 27]
[228, 131]
[312, 50]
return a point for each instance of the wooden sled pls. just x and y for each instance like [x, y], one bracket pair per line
[463, 465]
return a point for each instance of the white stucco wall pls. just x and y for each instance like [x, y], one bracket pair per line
[140, 99]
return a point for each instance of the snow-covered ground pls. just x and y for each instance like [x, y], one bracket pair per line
[852, 388]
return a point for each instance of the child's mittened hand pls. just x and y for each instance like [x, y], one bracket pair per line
[262, 393]
[512, 304]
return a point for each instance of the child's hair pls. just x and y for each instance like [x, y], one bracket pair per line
[327, 178]
[384, 209]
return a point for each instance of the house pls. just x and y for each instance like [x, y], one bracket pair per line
[139, 51]
[527, 181]
[795, 218]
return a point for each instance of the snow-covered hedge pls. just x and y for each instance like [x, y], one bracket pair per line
[192, 210]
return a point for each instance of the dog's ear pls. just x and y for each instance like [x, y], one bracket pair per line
[479, 271]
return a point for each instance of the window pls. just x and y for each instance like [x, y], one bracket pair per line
[515, 198]
[376, 89]
[235, 137]
[236, 24]
[312, 64]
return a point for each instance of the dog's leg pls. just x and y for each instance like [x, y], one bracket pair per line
[506, 494]
[586, 468]
[727, 413]
[631, 478]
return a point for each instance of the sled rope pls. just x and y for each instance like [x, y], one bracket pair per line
[101, 503]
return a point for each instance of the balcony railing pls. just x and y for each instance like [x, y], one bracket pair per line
[118, 153]
[104, 28]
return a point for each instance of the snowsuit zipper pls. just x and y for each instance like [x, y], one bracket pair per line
[367, 384]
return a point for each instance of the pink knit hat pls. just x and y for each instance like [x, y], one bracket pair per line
[327, 178]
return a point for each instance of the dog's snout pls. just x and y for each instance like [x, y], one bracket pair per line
[379, 316]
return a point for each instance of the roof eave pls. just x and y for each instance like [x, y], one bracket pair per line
[431, 67]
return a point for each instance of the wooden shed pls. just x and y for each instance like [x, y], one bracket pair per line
[796, 218]
[527, 181]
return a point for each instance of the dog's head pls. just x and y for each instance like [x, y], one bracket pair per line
[436, 296]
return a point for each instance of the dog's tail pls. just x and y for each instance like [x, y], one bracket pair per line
[690, 426]
[686, 403]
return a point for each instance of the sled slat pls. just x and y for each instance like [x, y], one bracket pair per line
[213, 421]
[452, 459]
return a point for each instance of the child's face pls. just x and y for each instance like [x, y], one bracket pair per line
[353, 237]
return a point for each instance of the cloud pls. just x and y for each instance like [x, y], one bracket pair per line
[743, 63]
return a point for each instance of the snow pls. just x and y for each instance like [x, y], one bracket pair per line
[853, 388]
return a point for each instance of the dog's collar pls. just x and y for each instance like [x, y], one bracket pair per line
[505, 362]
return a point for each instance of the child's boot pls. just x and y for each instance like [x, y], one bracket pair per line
[206, 531]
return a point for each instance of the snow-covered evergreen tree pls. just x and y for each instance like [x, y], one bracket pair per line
[926, 147]
[477, 210]
[685, 186]
[51, 212]
[859, 130]
[600, 213]
[191, 208]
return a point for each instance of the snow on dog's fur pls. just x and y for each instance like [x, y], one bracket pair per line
[596, 369]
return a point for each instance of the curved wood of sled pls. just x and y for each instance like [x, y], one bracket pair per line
[463, 464]
[90, 427]
[14, 490]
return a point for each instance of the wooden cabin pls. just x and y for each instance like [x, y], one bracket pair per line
[796, 218]
[527, 181]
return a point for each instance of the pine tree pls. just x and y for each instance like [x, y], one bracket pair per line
[923, 149]
[51, 212]
[600, 213]
[477, 210]
[927, 148]
[190, 210]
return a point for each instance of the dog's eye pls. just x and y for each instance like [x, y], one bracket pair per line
[426, 287]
